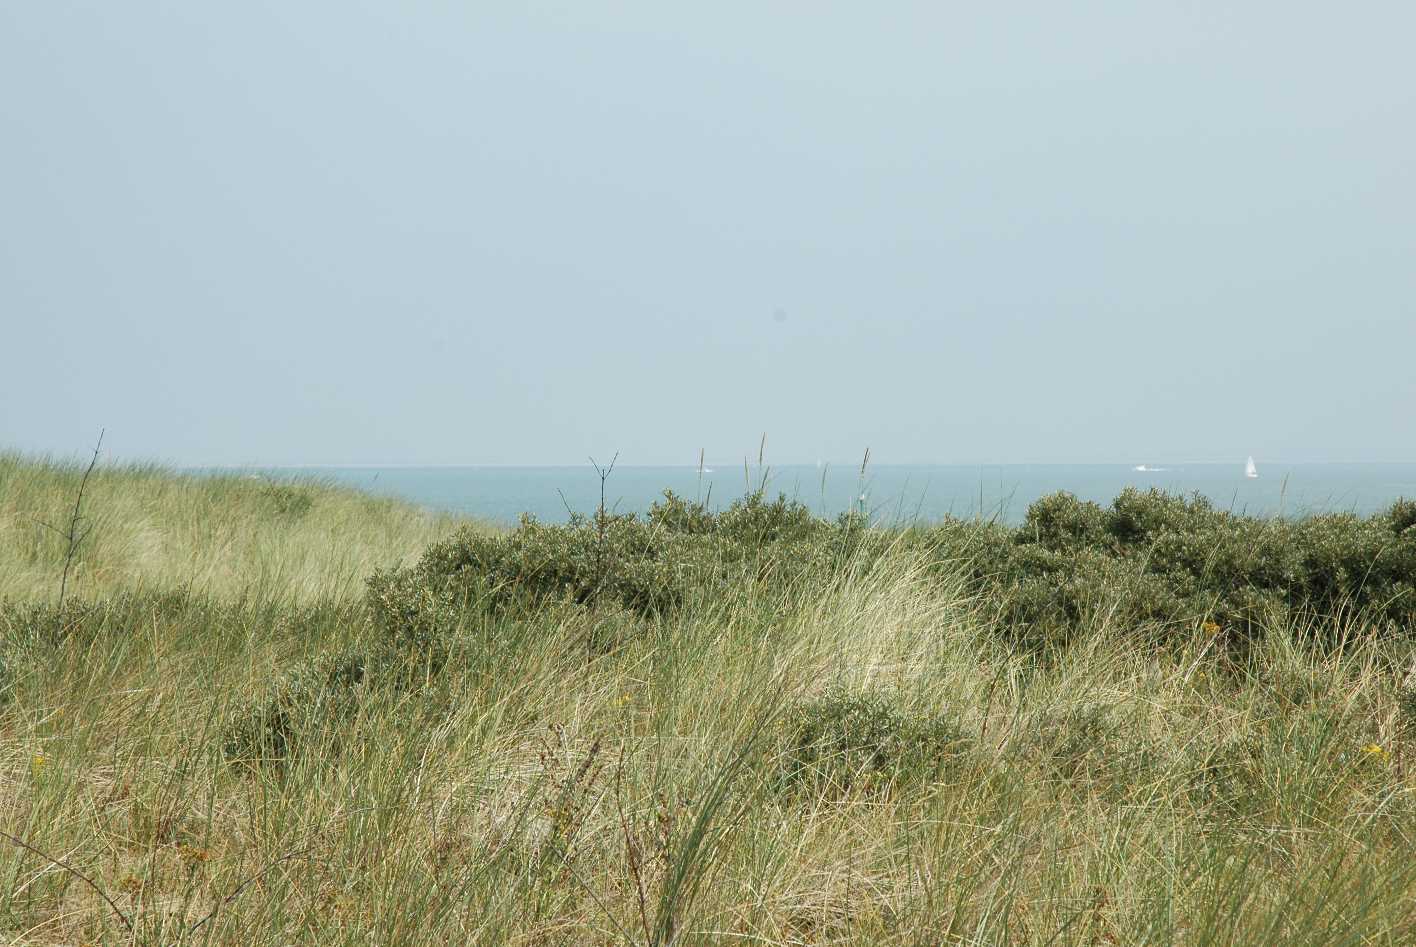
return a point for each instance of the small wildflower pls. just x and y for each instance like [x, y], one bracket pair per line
[37, 764]
[1210, 628]
[1376, 751]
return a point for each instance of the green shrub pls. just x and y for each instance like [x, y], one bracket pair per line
[45, 624]
[1061, 521]
[1402, 515]
[755, 523]
[11, 660]
[615, 557]
[1151, 563]
[840, 740]
[674, 514]
[1155, 562]
[39, 635]
[1136, 518]
[412, 613]
[646, 567]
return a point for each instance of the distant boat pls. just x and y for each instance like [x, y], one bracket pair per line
[1144, 468]
[1250, 470]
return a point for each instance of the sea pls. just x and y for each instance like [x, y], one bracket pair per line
[888, 494]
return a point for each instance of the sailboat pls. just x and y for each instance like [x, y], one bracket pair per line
[1250, 470]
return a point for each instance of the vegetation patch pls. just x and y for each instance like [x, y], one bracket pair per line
[1161, 564]
[842, 741]
[286, 499]
[310, 705]
[618, 728]
[681, 552]
[1088, 747]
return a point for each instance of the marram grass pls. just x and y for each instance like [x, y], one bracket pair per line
[222, 535]
[529, 789]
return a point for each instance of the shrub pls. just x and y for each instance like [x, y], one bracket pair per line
[1136, 517]
[1151, 563]
[1406, 707]
[1061, 521]
[1154, 562]
[11, 657]
[841, 740]
[410, 612]
[674, 514]
[646, 566]
[1402, 515]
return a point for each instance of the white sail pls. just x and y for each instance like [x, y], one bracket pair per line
[1250, 470]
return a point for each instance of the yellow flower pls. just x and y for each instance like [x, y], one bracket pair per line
[1376, 751]
[1210, 628]
[37, 764]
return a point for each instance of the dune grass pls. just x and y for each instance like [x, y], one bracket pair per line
[228, 535]
[741, 770]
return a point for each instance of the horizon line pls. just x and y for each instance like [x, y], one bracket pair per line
[1168, 465]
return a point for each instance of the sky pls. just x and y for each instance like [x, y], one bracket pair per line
[527, 233]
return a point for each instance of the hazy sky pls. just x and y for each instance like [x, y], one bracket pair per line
[447, 232]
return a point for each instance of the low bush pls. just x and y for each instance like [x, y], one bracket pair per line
[647, 566]
[842, 741]
[1151, 563]
[1155, 561]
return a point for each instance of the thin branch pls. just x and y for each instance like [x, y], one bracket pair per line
[564, 502]
[75, 539]
[76, 873]
[602, 525]
[604, 473]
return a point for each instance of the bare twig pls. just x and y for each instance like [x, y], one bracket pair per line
[604, 473]
[602, 524]
[74, 537]
[127, 922]
[565, 503]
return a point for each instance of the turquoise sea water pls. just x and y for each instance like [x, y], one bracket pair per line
[888, 493]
